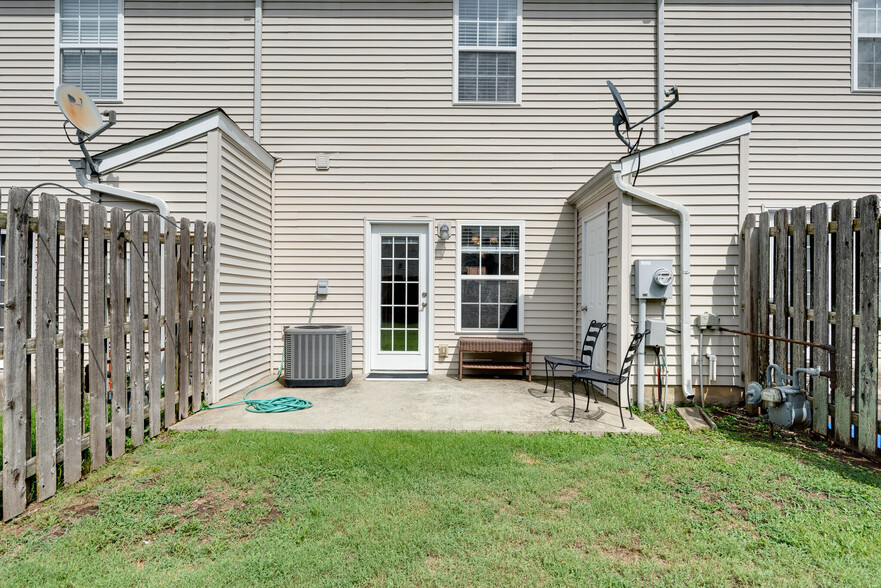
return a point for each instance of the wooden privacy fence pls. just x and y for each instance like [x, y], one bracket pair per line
[815, 278]
[149, 302]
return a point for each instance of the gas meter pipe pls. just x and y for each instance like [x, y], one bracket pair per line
[831, 374]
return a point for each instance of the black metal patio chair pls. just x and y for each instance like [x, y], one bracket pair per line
[619, 379]
[586, 362]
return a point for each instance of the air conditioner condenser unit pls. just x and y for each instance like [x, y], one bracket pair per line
[317, 355]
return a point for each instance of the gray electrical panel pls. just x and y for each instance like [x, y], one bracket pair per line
[654, 278]
[657, 336]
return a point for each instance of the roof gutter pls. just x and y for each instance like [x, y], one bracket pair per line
[685, 285]
[79, 166]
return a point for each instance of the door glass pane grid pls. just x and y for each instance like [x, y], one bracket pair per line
[400, 296]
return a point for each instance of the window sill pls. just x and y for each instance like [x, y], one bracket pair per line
[489, 104]
[869, 91]
[489, 333]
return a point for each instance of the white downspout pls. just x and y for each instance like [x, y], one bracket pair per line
[79, 166]
[685, 291]
[661, 97]
[258, 64]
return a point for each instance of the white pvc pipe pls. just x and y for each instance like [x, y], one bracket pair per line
[684, 268]
[258, 65]
[80, 167]
[661, 97]
[640, 358]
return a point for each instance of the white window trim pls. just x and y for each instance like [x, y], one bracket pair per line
[854, 42]
[519, 60]
[120, 36]
[521, 277]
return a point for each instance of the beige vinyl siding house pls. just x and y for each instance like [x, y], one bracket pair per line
[371, 86]
[215, 172]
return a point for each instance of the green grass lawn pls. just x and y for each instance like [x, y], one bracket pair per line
[437, 509]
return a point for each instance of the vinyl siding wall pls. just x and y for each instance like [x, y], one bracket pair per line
[244, 266]
[181, 59]
[708, 185]
[791, 61]
[371, 84]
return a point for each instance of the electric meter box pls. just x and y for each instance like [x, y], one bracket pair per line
[654, 278]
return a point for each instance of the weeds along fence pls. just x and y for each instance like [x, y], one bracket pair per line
[106, 328]
[812, 275]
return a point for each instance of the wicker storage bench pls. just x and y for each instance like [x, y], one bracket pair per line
[486, 345]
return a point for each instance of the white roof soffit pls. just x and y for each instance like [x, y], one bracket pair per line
[686, 146]
[177, 135]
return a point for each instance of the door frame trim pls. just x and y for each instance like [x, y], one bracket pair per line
[427, 223]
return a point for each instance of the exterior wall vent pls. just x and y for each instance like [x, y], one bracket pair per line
[317, 355]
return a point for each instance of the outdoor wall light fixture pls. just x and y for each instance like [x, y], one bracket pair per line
[443, 232]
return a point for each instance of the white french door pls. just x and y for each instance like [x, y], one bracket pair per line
[398, 301]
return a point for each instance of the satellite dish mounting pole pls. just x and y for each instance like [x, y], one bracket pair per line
[621, 118]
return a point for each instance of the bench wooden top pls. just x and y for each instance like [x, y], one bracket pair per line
[496, 344]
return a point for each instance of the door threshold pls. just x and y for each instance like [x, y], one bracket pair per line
[397, 376]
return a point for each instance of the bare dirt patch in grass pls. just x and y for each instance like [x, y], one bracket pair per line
[526, 458]
[567, 494]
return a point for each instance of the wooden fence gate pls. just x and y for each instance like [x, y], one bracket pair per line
[87, 367]
[815, 278]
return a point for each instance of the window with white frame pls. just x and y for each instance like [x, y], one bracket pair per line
[88, 53]
[490, 275]
[487, 51]
[867, 44]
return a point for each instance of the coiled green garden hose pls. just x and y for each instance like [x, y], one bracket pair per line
[270, 405]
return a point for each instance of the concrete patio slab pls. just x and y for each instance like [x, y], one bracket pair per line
[440, 404]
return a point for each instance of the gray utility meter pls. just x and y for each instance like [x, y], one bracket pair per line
[654, 278]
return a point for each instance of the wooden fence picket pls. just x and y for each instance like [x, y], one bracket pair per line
[820, 307]
[799, 289]
[763, 282]
[16, 320]
[97, 346]
[154, 281]
[118, 382]
[842, 280]
[867, 340]
[73, 346]
[46, 355]
[183, 338]
[136, 306]
[781, 283]
[171, 304]
[196, 303]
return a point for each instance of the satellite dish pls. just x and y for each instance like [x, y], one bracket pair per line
[621, 117]
[81, 112]
[79, 109]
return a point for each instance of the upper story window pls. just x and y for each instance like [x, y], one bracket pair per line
[490, 283]
[89, 46]
[867, 45]
[487, 51]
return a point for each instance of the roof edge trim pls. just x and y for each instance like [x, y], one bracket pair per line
[177, 135]
[686, 146]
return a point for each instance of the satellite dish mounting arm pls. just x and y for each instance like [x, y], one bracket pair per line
[620, 117]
